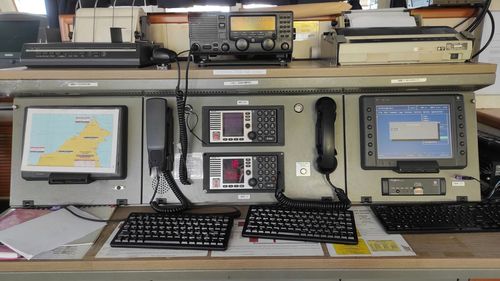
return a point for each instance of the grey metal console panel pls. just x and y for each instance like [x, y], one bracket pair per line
[367, 183]
[299, 147]
[232, 86]
[98, 192]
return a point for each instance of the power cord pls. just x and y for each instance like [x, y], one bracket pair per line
[492, 34]
[66, 207]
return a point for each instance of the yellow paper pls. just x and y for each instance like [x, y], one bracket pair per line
[383, 246]
[360, 249]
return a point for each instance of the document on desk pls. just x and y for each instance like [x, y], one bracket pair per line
[48, 232]
[373, 240]
[77, 249]
[107, 251]
[240, 246]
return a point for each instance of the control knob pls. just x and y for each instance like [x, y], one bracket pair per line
[242, 44]
[285, 46]
[224, 47]
[252, 135]
[195, 47]
[252, 182]
[268, 44]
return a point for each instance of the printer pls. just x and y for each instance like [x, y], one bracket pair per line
[396, 45]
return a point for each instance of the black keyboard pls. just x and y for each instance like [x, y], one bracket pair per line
[439, 217]
[274, 222]
[174, 231]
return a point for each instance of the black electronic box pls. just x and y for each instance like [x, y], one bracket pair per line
[243, 34]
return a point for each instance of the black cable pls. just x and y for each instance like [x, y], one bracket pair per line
[180, 97]
[87, 218]
[286, 202]
[341, 195]
[492, 34]
[236, 213]
[163, 207]
[480, 17]
[464, 21]
[191, 129]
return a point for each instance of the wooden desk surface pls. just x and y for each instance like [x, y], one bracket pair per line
[315, 68]
[434, 251]
[489, 116]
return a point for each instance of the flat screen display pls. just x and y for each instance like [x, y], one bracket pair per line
[233, 170]
[71, 140]
[232, 123]
[414, 131]
[264, 23]
[13, 34]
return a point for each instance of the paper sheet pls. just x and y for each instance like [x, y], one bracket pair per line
[108, 252]
[77, 249]
[373, 240]
[240, 246]
[381, 18]
[34, 237]
[66, 252]
[492, 53]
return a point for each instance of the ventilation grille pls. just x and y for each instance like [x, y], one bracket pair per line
[215, 120]
[202, 27]
[215, 167]
[163, 186]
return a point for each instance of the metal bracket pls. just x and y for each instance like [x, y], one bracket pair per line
[366, 199]
[121, 202]
[28, 203]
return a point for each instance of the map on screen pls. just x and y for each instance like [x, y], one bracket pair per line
[74, 140]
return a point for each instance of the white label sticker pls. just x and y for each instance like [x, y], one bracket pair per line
[303, 169]
[408, 80]
[83, 84]
[242, 102]
[240, 83]
[240, 72]
[194, 163]
[457, 183]
[243, 196]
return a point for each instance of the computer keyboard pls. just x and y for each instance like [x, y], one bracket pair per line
[174, 231]
[274, 222]
[439, 217]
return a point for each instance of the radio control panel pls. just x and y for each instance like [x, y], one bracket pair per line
[256, 172]
[242, 33]
[261, 125]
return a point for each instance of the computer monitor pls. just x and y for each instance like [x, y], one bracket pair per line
[15, 30]
[413, 129]
[74, 141]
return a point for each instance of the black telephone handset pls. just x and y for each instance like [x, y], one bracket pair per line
[325, 135]
[159, 131]
[159, 138]
[326, 161]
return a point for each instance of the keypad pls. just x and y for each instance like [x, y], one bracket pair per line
[266, 125]
[267, 171]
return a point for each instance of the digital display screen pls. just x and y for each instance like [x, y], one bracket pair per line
[233, 170]
[76, 140]
[232, 124]
[13, 34]
[419, 131]
[265, 23]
